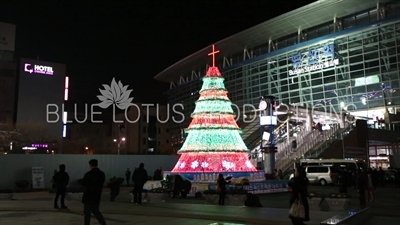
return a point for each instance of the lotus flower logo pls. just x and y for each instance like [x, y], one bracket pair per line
[116, 94]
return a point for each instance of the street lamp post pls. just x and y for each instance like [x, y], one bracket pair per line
[268, 121]
[119, 143]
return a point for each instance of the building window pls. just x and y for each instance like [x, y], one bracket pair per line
[144, 129]
[159, 142]
[159, 130]
[167, 141]
[144, 141]
[349, 22]
[166, 130]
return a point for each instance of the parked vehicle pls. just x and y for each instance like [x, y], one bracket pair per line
[322, 175]
[350, 164]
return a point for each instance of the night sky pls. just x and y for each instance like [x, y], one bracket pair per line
[130, 40]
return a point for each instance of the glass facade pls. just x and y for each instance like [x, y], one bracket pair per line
[380, 156]
[362, 71]
[359, 70]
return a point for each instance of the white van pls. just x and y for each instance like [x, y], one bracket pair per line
[349, 164]
[322, 175]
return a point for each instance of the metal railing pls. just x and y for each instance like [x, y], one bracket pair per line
[318, 150]
[288, 155]
[314, 144]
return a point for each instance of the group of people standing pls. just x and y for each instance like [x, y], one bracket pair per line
[365, 181]
[93, 182]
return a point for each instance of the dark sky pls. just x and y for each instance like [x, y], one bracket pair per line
[131, 40]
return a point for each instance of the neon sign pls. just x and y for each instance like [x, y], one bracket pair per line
[314, 67]
[40, 145]
[314, 59]
[48, 70]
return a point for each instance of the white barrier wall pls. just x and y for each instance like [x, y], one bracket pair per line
[19, 167]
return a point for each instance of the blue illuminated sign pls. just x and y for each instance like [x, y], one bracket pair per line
[313, 59]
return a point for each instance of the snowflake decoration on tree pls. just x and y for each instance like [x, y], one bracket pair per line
[204, 164]
[227, 165]
[195, 164]
[248, 164]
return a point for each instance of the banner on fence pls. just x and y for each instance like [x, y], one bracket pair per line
[268, 186]
[37, 178]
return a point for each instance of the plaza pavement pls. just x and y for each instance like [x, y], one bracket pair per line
[386, 208]
[51, 218]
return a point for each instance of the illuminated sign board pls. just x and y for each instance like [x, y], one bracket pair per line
[40, 145]
[366, 80]
[313, 60]
[31, 68]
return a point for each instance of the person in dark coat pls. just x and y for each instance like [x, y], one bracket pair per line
[60, 180]
[397, 177]
[139, 178]
[343, 181]
[156, 175]
[375, 178]
[115, 187]
[381, 175]
[53, 185]
[319, 126]
[221, 189]
[127, 176]
[299, 187]
[93, 182]
[362, 186]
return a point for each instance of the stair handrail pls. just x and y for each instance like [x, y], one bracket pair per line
[337, 136]
[312, 139]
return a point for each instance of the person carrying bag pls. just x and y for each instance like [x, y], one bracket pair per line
[299, 209]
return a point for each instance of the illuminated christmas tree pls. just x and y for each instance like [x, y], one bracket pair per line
[213, 143]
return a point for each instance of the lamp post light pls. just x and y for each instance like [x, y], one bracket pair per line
[268, 121]
[119, 143]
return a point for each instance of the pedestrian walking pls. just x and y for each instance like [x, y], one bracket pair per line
[60, 182]
[139, 178]
[127, 176]
[93, 182]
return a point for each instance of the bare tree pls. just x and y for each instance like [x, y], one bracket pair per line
[87, 145]
[8, 135]
[98, 145]
[74, 146]
[34, 132]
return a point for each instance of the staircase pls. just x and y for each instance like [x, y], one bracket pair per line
[320, 148]
[312, 141]
[250, 127]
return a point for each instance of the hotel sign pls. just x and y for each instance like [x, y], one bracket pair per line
[314, 59]
[29, 68]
